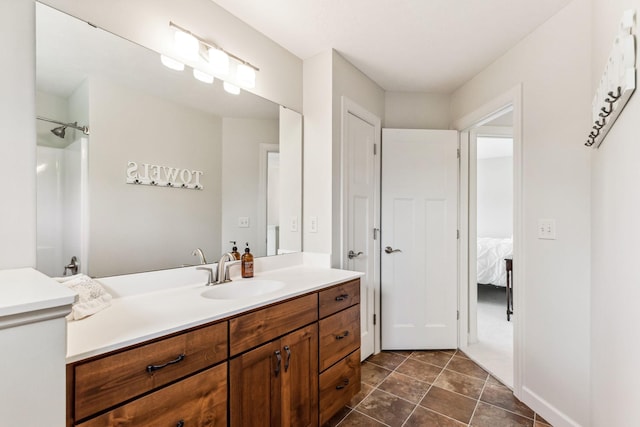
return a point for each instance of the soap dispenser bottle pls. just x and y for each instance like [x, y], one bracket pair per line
[234, 250]
[246, 261]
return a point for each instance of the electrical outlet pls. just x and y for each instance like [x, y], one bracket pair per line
[243, 222]
[547, 229]
[313, 224]
[293, 224]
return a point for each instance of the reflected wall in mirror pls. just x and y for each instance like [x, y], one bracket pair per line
[248, 148]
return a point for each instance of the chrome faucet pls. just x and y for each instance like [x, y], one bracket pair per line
[226, 260]
[198, 252]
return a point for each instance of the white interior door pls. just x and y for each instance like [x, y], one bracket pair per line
[419, 239]
[361, 134]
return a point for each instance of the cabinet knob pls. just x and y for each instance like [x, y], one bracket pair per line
[344, 335]
[345, 383]
[180, 423]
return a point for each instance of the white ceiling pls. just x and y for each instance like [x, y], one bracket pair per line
[429, 46]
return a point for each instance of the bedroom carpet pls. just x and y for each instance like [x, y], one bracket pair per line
[494, 349]
[432, 388]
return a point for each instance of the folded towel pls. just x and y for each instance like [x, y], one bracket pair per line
[91, 295]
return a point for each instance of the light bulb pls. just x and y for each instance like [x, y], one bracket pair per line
[171, 63]
[186, 45]
[219, 61]
[246, 75]
[202, 76]
[231, 88]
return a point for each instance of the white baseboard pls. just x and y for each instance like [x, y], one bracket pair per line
[549, 412]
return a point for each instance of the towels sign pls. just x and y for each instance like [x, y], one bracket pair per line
[163, 176]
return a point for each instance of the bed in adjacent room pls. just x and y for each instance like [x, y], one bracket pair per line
[491, 254]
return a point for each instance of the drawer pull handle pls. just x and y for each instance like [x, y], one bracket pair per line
[342, 297]
[345, 383]
[180, 423]
[344, 335]
[286, 363]
[152, 368]
[278, 362]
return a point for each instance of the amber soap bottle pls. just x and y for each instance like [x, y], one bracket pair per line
[234, 251]
[246, 261]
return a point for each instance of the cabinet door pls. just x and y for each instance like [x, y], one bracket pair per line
[300, 377]
[255, 387]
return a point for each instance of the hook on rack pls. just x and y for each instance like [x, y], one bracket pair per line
[605, 111]
[614, 97]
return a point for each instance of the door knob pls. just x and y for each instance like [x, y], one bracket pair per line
[390, 250]
[353, 255]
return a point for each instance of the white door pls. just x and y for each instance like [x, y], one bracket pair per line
[361, 134]
[419, 239]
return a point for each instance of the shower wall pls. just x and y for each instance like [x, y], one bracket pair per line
[61, 206]
[49, 165]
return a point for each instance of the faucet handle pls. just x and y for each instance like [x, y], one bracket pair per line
[210, 270]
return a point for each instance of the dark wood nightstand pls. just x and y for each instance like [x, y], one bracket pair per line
[509, 268]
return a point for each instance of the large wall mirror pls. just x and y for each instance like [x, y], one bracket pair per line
[243, 150]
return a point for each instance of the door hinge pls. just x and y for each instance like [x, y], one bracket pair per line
[458, 314]
[375, 319]
[457, 234]
[375, 233]
[458, 153]
[375, 149]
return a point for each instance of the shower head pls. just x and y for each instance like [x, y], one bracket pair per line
[59, 131]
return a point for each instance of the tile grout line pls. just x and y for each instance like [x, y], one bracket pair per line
[478, 401]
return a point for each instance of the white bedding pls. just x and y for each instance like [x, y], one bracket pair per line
[491, 265]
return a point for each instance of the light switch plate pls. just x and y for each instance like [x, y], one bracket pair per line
[547, 229]
[313, 224]
[293, 223]
[243, 222]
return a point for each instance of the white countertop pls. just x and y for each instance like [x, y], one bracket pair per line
[26, 290]
[136, 318]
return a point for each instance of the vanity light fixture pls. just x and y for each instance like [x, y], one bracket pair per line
[186, 45]
[171, 63]
[231, 88]
[246, 76]
[219, 61]
[202, 76]
[195, 50]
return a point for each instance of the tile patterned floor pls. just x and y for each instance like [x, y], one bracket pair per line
[432, 388]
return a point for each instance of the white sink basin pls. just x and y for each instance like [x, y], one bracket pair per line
[242, 288]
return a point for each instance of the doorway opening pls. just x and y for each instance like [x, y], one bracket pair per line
[504, 111]
[491, 314]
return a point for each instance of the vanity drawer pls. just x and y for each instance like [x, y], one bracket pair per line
[102, 383]
[339, 297]
[255, 328]
[339, 336]
[200, 400]
[338, 385]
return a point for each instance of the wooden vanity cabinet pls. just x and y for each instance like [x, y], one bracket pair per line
[291, 364]
[339, 355]
[276, 384]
